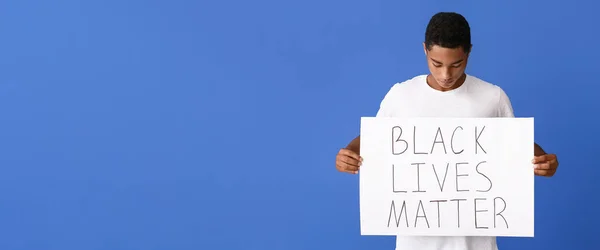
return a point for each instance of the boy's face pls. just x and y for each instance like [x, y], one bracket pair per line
[446, 65]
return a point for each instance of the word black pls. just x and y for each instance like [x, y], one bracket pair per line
[400, 145]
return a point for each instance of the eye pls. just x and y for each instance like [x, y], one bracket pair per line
[437, 65]
[456, 66]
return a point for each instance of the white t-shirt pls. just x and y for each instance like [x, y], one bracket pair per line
[475, 98]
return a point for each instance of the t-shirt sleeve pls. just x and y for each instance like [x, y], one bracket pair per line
[504, 105]
[385, 107]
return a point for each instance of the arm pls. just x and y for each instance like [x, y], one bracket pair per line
[354, 145]
[537, 150]
[348, 158]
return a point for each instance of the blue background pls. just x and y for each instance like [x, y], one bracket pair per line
[215, 124]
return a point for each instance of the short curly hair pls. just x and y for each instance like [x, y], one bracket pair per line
[448, 30]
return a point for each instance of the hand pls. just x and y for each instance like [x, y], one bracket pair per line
[545, 165]
[348, 161]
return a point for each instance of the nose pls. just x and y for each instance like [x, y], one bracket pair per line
[446, 74]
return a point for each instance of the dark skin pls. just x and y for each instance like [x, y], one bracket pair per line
[446, 67]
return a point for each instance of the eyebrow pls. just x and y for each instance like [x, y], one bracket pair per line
[436, 61]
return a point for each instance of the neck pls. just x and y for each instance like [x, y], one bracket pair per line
[433, 84]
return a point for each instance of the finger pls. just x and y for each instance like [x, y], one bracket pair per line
[350, 153]
[347, 154]
[541, 172]
[349, 172]
[553, 164]
[346, 169]
[542, 166]
[345, 166]
[348, 160]
[543, 158]
[547, 173]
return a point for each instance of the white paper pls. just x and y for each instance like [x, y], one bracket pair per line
[478, 171]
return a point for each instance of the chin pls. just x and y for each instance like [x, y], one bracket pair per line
[446, 85]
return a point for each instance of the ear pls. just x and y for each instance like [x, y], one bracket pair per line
[425, 49]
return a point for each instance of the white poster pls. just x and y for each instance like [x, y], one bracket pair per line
[447, 176]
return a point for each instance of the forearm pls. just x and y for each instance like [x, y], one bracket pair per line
[537, 150]
[354, 145]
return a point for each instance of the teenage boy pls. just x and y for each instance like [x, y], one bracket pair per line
[447, 91]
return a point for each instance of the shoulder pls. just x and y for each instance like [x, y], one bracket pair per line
[485, 88]
[398, 94]
[407, 85]
[494, 94]
[402, 90]
[478, 84]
